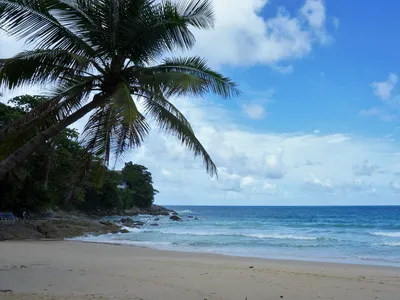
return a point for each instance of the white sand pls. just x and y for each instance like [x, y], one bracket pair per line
[73, 270]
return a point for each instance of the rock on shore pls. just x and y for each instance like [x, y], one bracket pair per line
[54, 229]
[59, 224]
[154, 210]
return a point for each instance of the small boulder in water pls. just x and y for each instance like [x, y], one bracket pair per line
[124, 231]
[175, 218]
[154, 224]
[131, 223]
[196, 218]
[190, 217]
[157, 219]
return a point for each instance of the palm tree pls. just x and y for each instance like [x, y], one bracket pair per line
[105, 57]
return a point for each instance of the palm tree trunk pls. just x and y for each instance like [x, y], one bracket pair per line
[17, 157]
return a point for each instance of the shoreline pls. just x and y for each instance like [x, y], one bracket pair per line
[60, 270]
[293, 260]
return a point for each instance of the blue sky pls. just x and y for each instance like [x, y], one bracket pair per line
[317, 123]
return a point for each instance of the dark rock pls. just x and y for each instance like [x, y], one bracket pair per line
[154, 210]
[196, 218]
[106, 223]
[126, 221]
[251, 267]
[155, 224]
[124, 231]
[132, 212]
[190, 217]
[175, 218]
[57, 228]
[156, 219]
[131, 223]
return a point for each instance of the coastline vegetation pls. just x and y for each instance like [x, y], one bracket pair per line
[53, 177]
[110, 59]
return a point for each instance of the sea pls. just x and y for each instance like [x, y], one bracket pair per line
[358, 235]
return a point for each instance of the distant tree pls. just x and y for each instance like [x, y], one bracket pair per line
[139, 180]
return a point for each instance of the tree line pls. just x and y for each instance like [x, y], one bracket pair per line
[104, 59]
[63, 174]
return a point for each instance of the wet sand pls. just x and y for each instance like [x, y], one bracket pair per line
[62, 270]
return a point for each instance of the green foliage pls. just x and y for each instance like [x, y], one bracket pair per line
[108, 49]
[45, 179]
[139, 180]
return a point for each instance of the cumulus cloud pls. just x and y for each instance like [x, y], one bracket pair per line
[247, 159]
[254, 111]
[242, 37]
[365, 168]
[383, 89]
[395, 185]
[315, 183]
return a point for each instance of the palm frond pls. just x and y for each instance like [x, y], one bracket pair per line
[159, 97]
[148, 28]
[34, 21]
[115, 127]
[187, 76]
[42, 66]
[197, 13]
[171, 124]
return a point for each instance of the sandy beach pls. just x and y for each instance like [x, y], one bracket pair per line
[76, 270]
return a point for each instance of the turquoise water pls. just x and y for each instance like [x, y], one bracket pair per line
[365, 235]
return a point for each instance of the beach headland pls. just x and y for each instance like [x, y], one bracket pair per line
[62, 270]
[60, 224]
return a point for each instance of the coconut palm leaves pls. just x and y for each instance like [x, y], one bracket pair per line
[102, 55]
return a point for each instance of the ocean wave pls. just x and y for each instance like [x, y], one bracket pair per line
[281, 237]
[186, 211]
[130, 229]
[387, 234]
[248, 235]
[395, 244]
[107, 239]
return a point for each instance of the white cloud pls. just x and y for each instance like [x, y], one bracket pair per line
[315, 183]
[248, 181]
[365, 168]
[395, 186]
[254, 111]
[248, 160]
[242, 37]
[383, 89]
[317, 131]
[314, 10]
[283, 69]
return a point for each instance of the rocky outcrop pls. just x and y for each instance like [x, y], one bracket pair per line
[175, 218]
[154, 210]
[54, 229]
[131, 223]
